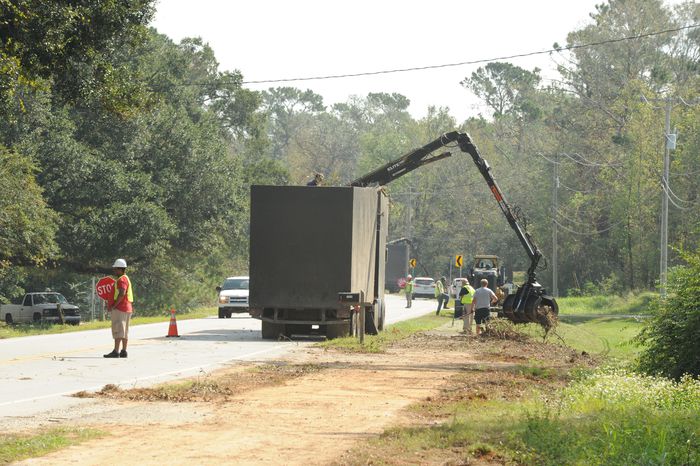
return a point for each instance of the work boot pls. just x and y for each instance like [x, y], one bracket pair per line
[122, 353]
[113, 354]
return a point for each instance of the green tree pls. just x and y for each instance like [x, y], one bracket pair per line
[69, 47]
[27, 225]
[506, 88]
[670, 336]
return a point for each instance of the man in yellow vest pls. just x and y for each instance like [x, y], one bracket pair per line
[441, 294]
[465, 297]
[408, 289]
[120, 310]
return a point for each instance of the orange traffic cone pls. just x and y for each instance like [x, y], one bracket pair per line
[172, 330]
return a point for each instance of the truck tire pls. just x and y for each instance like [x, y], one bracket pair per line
[297, 329]
[8, 319]
[272, 331]
[36, 317]
[337, 331]
[222, 314]
[382, 315]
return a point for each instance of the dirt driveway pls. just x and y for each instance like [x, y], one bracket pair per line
[313, 416]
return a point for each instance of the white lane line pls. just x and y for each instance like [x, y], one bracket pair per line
[131, 382]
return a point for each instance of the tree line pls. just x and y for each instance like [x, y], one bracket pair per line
[118, 142]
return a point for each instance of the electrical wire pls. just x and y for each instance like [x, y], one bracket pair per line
[694, 104]
[587, 163]
[670, 199]
[569, 219]
[472, 62]
[576, 190]
[695, 172]
[597, 232]
[671, 195]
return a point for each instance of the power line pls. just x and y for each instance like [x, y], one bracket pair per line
[472, 62]
[576, 232]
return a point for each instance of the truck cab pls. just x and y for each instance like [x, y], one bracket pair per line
[45, 306]
[233, 296]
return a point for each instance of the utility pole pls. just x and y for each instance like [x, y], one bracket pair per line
[409, 215]
[669, 144]
[663, 268]
[555, 232]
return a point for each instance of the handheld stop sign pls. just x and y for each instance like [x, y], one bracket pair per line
[105, 289]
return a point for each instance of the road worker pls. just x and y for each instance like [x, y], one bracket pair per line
[120, 309]
[408, 289]
[466, 294]
[441, 294]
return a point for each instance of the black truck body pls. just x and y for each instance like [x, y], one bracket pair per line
[397, 257]
[307, 245]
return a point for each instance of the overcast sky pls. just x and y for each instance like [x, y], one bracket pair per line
[277, 39]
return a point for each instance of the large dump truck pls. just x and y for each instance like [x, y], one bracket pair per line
[309, 245]
[397, 257]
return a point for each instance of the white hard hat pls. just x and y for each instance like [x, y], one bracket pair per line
[119, 264]
[409, 276]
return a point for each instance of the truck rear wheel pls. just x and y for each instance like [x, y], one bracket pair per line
[381, 317]
[337, 331]
[8, 319]
[272, 331]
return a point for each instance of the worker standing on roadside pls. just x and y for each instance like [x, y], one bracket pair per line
[441, 294]
[408, 289]
[481, 304]
[466, 295]
[120, 310]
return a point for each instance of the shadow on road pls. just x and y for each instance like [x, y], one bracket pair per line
[216, 335]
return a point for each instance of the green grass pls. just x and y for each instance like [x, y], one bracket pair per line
[605, 336]
[617, 418]
[16, 447]
[612, 418]
[392, 333]
[23, 330]
[611, 337]
[630, 304]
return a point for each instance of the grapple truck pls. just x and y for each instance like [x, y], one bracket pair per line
[311, 247]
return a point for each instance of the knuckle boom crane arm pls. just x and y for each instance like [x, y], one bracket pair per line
[530, 303]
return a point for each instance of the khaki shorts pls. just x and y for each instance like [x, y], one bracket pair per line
[120, 324]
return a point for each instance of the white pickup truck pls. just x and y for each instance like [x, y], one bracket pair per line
[48, 306]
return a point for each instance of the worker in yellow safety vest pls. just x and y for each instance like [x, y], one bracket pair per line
[120, 310]
[466, 295]
[408, 289]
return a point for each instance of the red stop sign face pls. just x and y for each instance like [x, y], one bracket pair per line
[105, 289]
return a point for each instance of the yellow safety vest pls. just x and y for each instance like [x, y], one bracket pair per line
[129, 292]
[467, 298]
[439, 288]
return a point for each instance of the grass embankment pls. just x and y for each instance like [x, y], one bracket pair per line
[16, 447]
[392, 333]
[563, 415]
[23, 330]
[631, 304]
[603, 324]
[605, 418]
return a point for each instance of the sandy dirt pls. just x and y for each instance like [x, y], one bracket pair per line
[315, 417]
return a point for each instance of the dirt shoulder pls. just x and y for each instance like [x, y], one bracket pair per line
[313, 407]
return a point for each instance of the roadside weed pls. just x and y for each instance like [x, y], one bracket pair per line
[16, 447]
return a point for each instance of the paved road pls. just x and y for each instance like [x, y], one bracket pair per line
[39, 372]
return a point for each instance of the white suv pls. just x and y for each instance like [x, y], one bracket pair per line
[233, 296]
[424, 287]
